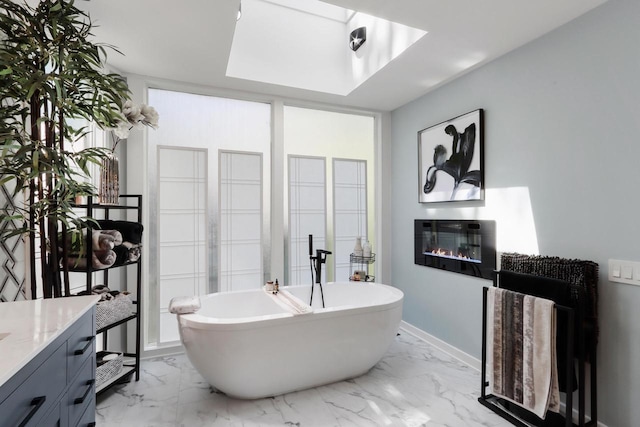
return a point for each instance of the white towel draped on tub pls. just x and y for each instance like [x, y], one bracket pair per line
[290, 303]
[521, 350]
[299, 306]
[184, 305]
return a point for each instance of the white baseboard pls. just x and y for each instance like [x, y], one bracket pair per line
[164, 351]
[452, 351]
[465, 358]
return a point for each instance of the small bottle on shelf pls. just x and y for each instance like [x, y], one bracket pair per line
[357, 250]
[366, 249]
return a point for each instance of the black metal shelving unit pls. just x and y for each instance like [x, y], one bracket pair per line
[131, 363]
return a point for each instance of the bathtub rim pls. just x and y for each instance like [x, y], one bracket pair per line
[199, 321]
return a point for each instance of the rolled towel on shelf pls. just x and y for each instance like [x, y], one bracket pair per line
[103, 259]
[184, 305]
[101, 240]
[105, 239]
[122, 255]
[76, 262]
[134, 253]
[130, 231]
[99, 260]
[126, 253]
[108, 249]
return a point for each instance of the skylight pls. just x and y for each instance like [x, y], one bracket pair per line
[305, 44]
[317, 8]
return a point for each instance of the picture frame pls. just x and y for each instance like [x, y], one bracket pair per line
[451, 160]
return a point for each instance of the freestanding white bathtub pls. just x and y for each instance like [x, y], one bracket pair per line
[248, 346]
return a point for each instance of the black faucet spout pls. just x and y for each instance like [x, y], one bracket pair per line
[320, 258]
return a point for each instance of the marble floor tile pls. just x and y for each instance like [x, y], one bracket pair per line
[414, 385]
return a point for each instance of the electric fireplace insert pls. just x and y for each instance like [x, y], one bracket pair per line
[460, 246]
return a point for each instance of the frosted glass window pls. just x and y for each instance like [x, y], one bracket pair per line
[182, 241]
[240, 221]
[307, 215]
[215, 126]
[349, 211]
[348, 138]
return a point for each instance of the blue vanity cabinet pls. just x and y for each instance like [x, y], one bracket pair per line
[56, 387]
[82, 394]
[44, 382]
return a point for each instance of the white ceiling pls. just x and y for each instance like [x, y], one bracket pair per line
[190, 41]
[311, 52]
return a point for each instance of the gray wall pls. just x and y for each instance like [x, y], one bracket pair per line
[562, 149]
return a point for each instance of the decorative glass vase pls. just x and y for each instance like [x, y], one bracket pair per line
[109, 181]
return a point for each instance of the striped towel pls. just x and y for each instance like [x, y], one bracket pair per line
[521, 350]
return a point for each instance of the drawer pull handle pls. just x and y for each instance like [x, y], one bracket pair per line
[37, 402]
[86, 347]
[80, 400]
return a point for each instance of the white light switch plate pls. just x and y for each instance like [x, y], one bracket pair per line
[624, 272]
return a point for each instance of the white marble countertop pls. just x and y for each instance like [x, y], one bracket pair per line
[32, 325]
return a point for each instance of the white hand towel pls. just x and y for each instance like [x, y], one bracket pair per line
[184, 305]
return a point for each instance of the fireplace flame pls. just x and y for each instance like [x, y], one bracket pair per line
[445, 253]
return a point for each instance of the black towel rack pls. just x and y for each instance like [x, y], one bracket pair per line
[575, 349]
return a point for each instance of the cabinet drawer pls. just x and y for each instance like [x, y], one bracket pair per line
[55, 417]
[38, 393]
[81, 344]
[88, 418]
[82, 392]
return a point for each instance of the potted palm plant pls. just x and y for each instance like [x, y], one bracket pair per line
[52, 84]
